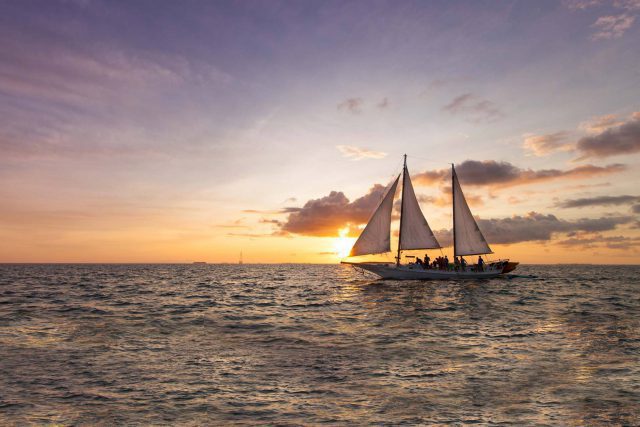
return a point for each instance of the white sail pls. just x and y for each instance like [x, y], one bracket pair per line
[376, 236]
[467, 237]
[415, 232]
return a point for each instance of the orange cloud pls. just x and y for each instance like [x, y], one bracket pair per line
[325, 216]
[359, 153]
[542, 145]
[599, 124]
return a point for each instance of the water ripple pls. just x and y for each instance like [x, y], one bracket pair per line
[308, 344]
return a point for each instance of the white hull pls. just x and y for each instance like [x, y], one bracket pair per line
[416, 272]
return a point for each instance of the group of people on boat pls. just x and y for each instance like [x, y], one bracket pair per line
[442, 263]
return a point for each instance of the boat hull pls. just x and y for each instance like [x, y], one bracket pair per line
[416, 272]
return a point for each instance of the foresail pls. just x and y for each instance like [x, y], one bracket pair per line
[468, 238]
[376, 236]
[415, 233]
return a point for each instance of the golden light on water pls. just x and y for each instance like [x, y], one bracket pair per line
[342, 244]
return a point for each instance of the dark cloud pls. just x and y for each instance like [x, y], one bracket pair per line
[352, 105]
[325, 216]
[474, 108]
[598, 201]
[635, 209]
[535, 226]
[623, 139]
[505, 174]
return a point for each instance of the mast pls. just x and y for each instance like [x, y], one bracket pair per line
[404, 180]
[453, 200]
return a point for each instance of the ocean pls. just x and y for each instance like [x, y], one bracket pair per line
[316, 344]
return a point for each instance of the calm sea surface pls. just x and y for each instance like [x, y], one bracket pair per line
[316, 344]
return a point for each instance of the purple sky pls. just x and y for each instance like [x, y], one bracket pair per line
[136, 116]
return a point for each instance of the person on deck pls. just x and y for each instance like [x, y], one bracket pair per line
[480, 263]
[456, 264]
[463, 264]
[427, 261]
[446, 262]
[418, 261]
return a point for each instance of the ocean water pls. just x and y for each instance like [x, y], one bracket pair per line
[316, 344]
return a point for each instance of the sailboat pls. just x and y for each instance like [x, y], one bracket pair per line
[415, 234]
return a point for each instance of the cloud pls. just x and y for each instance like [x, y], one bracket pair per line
[542, 145]
[352, 105]
[475, 109]
[623, 139]
[612, 26]
[635, 209]
[581, 4]
[630, 5]
[598, 240]
[598, 125]
[505, 174]
[609, 26]
[598, 201]
[325, 216]
[271, 211]
[444, 199]
[359, 153]
[537, 227]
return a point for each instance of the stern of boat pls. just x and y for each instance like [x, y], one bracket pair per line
[509, 266]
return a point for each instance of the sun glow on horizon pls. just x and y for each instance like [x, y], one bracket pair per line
[343, 244]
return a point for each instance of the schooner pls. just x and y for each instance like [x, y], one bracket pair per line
[415, 234]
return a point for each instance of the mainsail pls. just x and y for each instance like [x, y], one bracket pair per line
[467, 237]
[415, 232]
[375, 237]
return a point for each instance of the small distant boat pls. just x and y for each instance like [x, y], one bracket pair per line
[240, 261]
[199, 263]
[415, 234]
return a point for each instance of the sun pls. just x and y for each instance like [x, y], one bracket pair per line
[343, 244]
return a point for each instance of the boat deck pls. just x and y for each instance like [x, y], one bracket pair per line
[417, 272]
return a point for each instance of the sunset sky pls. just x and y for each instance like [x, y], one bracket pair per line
[157, 131]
